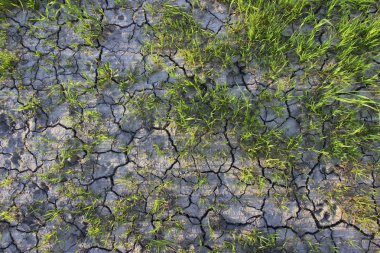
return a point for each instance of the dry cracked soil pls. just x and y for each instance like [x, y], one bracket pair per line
[91, 162]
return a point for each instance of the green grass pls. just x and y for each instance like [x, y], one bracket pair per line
[24, 4]
[334, 48]
[259, 29]
[7, 61]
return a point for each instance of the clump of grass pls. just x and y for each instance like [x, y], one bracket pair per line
[8, 59]
[30, 106]
[85, 18]
[256, 240]
[205, 108]
[179, 33]
[259, 29]
[7, 63]
[24, 4]
[358, 204]
[200, 111]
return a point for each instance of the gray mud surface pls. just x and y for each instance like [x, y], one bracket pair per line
[88, 164]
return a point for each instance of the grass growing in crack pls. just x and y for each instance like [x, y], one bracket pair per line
[159, 245]
[83, 17]
[106, 75]
[307, 49]
[6, 5]
[8, 59]
[71, 94]
[179, 33]
[8, 215]
[130, 77]
[255, 240]
[262, 23]
[30, 106]
[50, 238]
[200, 112]
[358, 205]
[206, 109]
[346, 134]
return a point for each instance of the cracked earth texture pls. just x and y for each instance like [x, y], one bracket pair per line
[85, 166]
